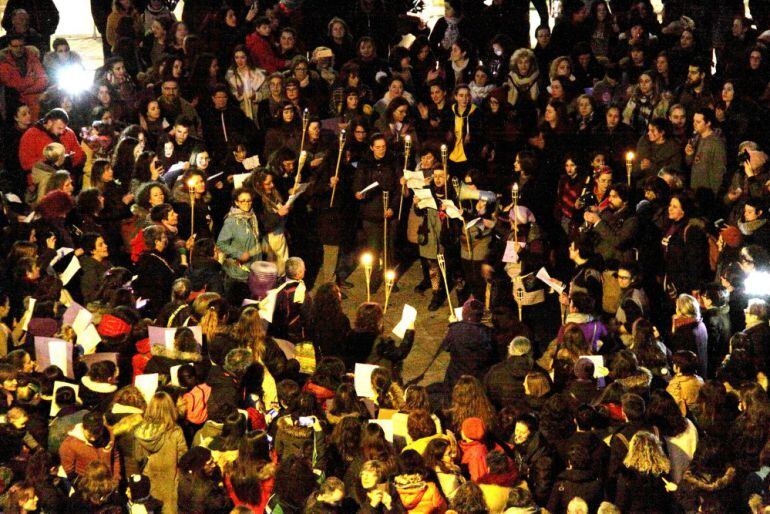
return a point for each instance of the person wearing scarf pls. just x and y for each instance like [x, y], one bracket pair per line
[523, 77]
[239, 239]
[465, 148]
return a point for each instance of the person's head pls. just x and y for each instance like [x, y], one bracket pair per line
[93, 244]
[182, 126]
[55, 121]
[756, 311]
[537, 384]
[687, 307]
[526, 427]
[680, 207]
[685, 362]
[753, 209]
[752, 257]
[155, 238]
[161, 412]
[373, 473]
[378, 145]
[619, 196]
[21, 498]
[420, 424]
[677, 115]
[366, 48]
[169, 89]
[657, 130]
[469, 499]
[242, 199]
[645, 454]
[696, 73]
[703, 121]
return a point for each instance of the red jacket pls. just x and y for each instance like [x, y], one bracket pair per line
[30, 85]
[36, 138]
[262, 53]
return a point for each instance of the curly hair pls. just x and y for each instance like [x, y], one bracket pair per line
[469, 400]
[645, 454]
[469, 499]
[96, 484]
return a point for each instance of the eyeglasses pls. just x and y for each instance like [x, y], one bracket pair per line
[624, 277]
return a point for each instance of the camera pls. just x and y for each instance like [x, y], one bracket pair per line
[743, 157]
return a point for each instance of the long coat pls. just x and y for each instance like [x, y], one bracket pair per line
[158, 452]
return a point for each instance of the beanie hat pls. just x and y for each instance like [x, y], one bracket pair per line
[584, 369]
[473, 310]
[112, 326]
[731, 236]
[473, 428]
[139, 485]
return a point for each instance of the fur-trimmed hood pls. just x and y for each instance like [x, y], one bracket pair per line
[173, 354]
[286, 423]
[98, 387]
[641, 379]
[126, 424]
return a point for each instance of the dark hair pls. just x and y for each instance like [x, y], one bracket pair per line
[420, 424]
[469, 499]
[633, 406]
[664, 413]
[56, 114]
[251, 467]
[708, 115]
[294, 480]
[434, 454]
[687, 362]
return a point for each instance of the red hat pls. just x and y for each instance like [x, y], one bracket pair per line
[473, 428]
[112, 326]
[731, 236]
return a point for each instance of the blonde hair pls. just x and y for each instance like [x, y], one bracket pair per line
[205, 310]
[555, 66]
[645, 454]
[687, 305]
[250, 331]
[53, 152]
[161, 411]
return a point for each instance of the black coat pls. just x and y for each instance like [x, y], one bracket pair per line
[504, 381]
[717, 321]
[575, 482]
[470, 350]
[200, 496]
[642, 493]
[537, 460]
[692, 337]
[154, 279]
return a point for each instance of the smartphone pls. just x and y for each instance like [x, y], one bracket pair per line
[306, 421]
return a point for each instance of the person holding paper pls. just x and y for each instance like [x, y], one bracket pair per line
[378, 166]
[239, 238]
[437, 234]
[270, 207]
[178, 146]
[368, 343]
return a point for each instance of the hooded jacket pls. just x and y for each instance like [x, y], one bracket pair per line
[122, 420]
[36, 138]
[76, 452]
[240, 234]
[418, 496]
[571, 483]
[290, 438]
[158, 451]
[163, 359]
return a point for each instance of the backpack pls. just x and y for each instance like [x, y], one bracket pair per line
[712, 246]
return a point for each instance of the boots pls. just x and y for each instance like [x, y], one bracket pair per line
[437, 300]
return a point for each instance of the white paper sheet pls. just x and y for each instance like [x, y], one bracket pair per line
[408, 317]
[215, 176]
[369, 187]
[425, 199]
[301, 188]
[250, 163]
[543, 275]
[459, 313]
[29, 218]
[71, 313]
[176, 167]
[600, 370]
[72, 268]
[472, 222]
[88, 339]
[57, 354]
[414, 179]
[12, 198]
[82, 319]
[28, 313]
[174, 372]
[362, 379]
[239, 179]
[510, 254]
[43, 354]
[147, 385]
[451, 209]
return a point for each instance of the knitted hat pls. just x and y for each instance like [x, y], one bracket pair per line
[473, 428]
[139, 485]
[473, 310]
[732, 236]
[584, 369]
[112, 326]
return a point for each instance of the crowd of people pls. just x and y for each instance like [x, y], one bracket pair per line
[179, 229]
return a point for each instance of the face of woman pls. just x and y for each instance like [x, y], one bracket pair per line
[153, 111]
[423, 53]
[213, 68]
[157, 30]
[196, 184]
[399, 115]
[598, 161]
[287, 41]
[68, 187]
[240, 60]
[523, 66]
[354, 80]
[396, 88]
[288, 115]
[202, 160]
[456, 54]
[728, 92]
[755, 60]
[570, 168]
[31, 504]
[564, 69]
[267, 184]
[230, 19]
[480, 78]
[243, 202]
[338, 30]
[557, 91]
[521, 433]
[101, 250]
[603, 183]
[360, 134]
[108, 174]
[687, 40]
[427, 161]
[661, 64]
[352, 102]
[176, 70]
[157, 196]
[494, 105]
[23, 117]
[645, 83]
[181, 32]
[584, 107]
[104, 95]
[550, 114]
[675, 211]
[368, 479]
[601, 12]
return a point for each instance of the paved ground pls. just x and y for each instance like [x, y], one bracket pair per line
[430, 326]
